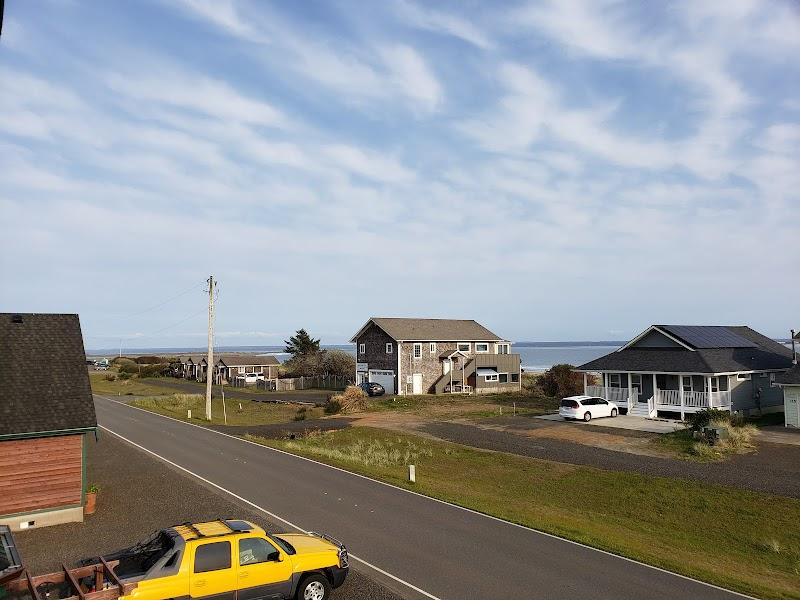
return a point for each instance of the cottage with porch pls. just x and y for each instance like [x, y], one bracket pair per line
[672, 370]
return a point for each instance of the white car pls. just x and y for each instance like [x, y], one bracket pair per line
[587, 408]
[252, 377]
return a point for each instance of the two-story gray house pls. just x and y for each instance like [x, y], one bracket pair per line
[435, 356]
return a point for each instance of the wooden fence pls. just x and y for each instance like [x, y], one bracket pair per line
[305, 383]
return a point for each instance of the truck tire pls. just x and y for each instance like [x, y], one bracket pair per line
[314, 587]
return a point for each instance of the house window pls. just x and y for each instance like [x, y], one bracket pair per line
[636, 382]
[515, 378]
[714, 383]
[417, 351]
[482, 348]
[464, 346]
[772, 380]
[742, 377]
[503, 378]
[362, 348]
[389, 348]
[615, 380]
[503, 348]
[432, 348]
[687, 384]
[491, 377]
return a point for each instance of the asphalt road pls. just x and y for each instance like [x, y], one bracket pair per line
[444, 551]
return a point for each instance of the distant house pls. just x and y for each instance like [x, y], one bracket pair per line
[231, 366]
[187, 366]
[434, 356]
[46, 415]
[679, 369]
[789, 382]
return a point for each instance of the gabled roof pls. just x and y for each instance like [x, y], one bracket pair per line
[44, 382]
[790, 377]
[703, 349]
[432, 330]
[239, 360]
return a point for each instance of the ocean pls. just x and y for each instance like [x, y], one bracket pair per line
[535, 356]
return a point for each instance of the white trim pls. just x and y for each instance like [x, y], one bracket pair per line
[389, 348]
[417, 345]
[495, 378]
[481, 351]
[431, 498]
[362, 348]
[662, 332]
[469, 347]
[679, 372]
[432, 347]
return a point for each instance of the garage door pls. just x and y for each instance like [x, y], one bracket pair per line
[385, 378]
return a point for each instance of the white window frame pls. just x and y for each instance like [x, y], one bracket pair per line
[417, 351]
[432, 347]
[389, 348]
[636, 384]
[611, 377]
[504, 348]
[362, 348]
[743, 377]
[467, 344]
[712, 384]
[683, 383]
[495, 377]
[772, 380]
[478, 344]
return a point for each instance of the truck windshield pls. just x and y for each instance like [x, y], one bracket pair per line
[285, 546]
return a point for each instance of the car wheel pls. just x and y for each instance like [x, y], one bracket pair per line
[587, 416]
[314, 587]
[613, 412]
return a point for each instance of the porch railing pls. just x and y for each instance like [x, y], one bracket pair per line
[620, 396]
[670, 398]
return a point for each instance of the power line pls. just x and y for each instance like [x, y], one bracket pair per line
[160, 304]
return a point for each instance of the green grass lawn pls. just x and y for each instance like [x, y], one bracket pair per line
[124, 387]
[742, 540]
[239, 412]
[467, 406]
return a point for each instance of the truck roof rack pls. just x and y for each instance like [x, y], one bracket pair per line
[233, 526]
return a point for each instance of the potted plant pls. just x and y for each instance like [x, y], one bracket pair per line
[91, 499]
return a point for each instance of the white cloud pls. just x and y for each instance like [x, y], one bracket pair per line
[440, 22]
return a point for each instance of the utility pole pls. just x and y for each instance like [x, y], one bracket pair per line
[210, 355]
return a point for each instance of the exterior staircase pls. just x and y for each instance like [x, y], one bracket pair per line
[640, 409]
[444, 380]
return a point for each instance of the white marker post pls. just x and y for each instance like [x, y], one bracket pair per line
[189, 414]
[412, 473]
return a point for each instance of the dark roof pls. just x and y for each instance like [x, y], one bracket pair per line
[790, 377]
[763, 354]
[235, 360]
[44, 382]
[433, 330]
[708, 336]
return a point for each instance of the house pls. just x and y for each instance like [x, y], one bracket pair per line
[46, 418]
[187, 366]
[678, 369]
[789, 382]
[434, 356]
[231, 366]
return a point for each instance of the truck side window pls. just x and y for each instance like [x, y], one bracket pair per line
[255, 550]
[212, 557]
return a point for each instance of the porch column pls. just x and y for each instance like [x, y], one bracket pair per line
[585, 382]
[630, 390]
[655, 389]
[680, 387]
[708, 391]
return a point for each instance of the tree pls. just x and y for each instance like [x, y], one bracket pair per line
[560, 381]
[301, 344]
[338, 363]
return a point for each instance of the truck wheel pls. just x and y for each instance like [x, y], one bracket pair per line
[314, 587]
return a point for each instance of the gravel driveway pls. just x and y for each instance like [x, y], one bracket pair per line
[139, 494]
[773, 468]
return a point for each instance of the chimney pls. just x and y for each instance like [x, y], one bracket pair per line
[794, 351]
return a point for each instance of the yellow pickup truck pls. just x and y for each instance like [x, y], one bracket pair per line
[220, 560]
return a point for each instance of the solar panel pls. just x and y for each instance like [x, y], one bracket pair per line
[709, 336]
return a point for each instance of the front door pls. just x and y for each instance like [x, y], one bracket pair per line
[213, 574]
[416, 383]
[264, 572]
[446, 366]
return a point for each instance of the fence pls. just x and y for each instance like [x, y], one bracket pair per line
[287, 384]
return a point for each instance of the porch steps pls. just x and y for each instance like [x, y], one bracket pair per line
[639, 410]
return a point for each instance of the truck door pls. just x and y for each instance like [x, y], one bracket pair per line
[264, 571]
[213, 573]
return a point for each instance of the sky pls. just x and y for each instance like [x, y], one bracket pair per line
[557, 170]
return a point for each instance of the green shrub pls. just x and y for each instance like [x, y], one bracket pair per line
[149, 360]
[703, 418]
[156, 370]
[301, 414]
[333, 407]
[110, 377]
[123, 375]
[560, 381]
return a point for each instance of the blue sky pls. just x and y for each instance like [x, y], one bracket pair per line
[556, 170]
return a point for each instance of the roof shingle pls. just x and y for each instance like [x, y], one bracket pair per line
[434, 330]
[44, 382]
